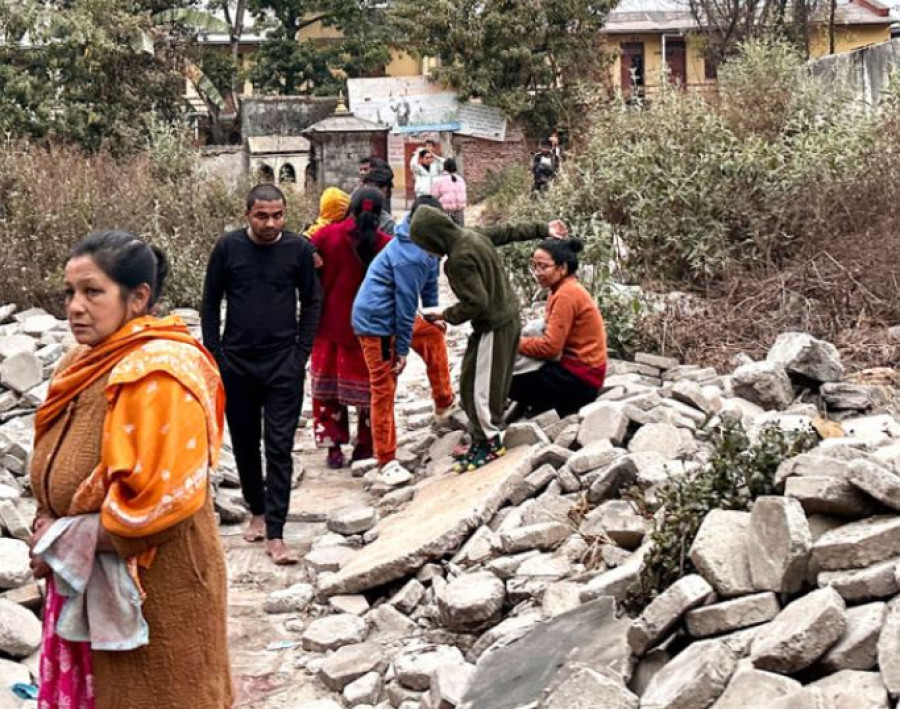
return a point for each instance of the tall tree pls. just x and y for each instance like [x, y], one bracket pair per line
[79, 71]
[523, 56]
[286, 65]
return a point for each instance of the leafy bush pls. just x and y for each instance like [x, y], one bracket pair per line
[50, 198]
[737, 473]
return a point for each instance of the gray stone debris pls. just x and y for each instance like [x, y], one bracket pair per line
[603, 421]
[290, 600]
[593, 456]
[524, 433]
[695, 678]
[661, 438]
[801, 633]
[858, 544]
[581, 687]
[449, 684]
[408, 597]
[720, 552]
[763, 383]
[750, 687]
[334, 631]
[877, 581]
[877, 481]
[734, 614]
[778, 544]
[20, 630]
[471, 600]
[803, 355]
[546, 535]
[666, 610]
[15, 561]
[415, 668]
[365, 690]
[889, 648]
[352, 520]
[828, 496]
[858, 647]
[350, 663]
[852, 689]
[21, 372]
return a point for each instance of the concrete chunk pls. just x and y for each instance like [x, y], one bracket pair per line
[858, 647]
[581, 687]
[889, 648]
[20, 630]
[351, 662]
[876, 481]
[470, 600]
[763, 383]
[828, 496]
[852, 689]
[352, 520]
[801, 633]
[750, 687]
[415, 668]
[778, 544]
[731, 615]
[666, 610]
[21, 371]
[334, 631]
[603, 421]
[858, 544]
[803, 355]
[694, 679]
[719, 552]
[661, 438]
[876, 581]
[545, 535]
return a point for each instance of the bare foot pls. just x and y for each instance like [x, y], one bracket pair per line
[256, 530]
[280, 554]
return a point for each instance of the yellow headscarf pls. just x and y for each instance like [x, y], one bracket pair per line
[332, 208]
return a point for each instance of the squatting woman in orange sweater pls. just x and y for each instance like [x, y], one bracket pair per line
[573, 344]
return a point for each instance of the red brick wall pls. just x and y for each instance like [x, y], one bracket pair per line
[477, 157]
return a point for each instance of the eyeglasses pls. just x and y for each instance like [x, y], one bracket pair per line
[541, 266]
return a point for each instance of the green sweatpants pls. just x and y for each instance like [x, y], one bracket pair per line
[484, 381]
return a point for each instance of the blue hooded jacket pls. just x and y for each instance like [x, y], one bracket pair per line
[388, 299]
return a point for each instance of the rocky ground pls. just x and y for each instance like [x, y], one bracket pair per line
[500, 589]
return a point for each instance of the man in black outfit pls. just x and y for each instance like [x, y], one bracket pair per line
[261, 271]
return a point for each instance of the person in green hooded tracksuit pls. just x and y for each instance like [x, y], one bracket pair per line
[487, 300]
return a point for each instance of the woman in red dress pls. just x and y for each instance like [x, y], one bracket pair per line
[340, 378]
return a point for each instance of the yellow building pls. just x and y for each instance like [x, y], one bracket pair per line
[639, 33]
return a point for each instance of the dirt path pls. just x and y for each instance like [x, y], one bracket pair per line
[262, 650]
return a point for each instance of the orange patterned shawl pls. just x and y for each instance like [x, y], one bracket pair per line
[162, 431]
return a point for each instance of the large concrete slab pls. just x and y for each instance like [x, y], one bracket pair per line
[445, 510]
[517, 674]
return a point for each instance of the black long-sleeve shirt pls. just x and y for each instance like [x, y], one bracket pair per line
[261, 285]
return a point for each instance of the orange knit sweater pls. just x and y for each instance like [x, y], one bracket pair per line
[574, 327]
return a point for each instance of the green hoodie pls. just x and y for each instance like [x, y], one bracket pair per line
[473, 266]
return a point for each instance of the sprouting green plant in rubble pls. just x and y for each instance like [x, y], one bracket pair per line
[738, 471]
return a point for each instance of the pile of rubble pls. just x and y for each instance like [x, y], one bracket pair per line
[500, 589]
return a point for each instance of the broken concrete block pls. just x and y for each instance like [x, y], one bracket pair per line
[661, 438]
[727, 616]
[765, 384]
[843, 396]
[855, 585]
[471, 600]
[365, 690]
[351, 662]
[547, 535]
[858, 647]
[524, 433]
[889, 648]
[801, 633]
[858, 544]
[828, 496]
[20, 630]
[695, 678]
[778, 544]
[660, 362]
[290, 600]
[603, 421]
[21, 371]
[352, 520]
[15, 563]
[750, 687]
[408, 597]
[585, 688]
[329, 558]
[353, 603]
[616, 582]
[449, 684]
[13, 522]
[666, 610]
[851, 689]
[719, 552]
[333, 631]
[802, 355]
[876, 481]
[816, 465]
[414, 668]
[593, 457]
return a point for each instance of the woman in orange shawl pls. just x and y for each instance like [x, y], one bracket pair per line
[130, 429]
[333, 206]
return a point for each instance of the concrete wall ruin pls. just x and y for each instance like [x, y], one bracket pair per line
[866, 71]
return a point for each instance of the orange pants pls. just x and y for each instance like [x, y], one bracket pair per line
[428, 343]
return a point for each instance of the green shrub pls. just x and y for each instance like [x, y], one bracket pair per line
[737, 473]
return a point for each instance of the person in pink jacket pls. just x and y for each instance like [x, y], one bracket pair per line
[450, 190]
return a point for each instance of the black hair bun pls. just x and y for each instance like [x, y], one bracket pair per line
[576, 246]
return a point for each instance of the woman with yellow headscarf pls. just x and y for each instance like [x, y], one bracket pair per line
[333, 207]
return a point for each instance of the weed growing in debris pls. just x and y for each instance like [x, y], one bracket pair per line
[739, 470]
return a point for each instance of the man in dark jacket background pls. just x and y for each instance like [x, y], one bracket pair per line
[263, 272]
